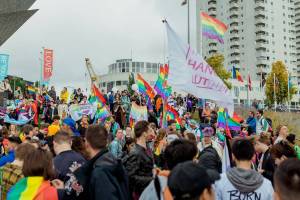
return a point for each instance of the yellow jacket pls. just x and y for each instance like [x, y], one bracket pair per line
[64, 96]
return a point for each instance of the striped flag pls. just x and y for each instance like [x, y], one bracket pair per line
[144, 87]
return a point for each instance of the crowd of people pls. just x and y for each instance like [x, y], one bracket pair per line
[54, 157]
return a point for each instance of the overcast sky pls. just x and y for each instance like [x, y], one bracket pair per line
[102, 30]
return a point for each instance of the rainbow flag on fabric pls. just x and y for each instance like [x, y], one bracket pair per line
[31, 89]
[97, 97]
[172, 114]
[30, 187]
[161, 85]
[237, 75]
[144, 87]
[225, 121]
[213, 28]
[102, 113]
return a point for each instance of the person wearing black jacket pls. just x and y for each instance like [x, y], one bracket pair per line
[102, 177]
[139, 163]
[266, 164]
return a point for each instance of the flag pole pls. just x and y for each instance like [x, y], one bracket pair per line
[289, 92]
[188, 25]
[41, 68]
[275, 102]
[248, 99]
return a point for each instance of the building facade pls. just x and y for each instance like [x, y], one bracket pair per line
[259, 33]
[119, 72]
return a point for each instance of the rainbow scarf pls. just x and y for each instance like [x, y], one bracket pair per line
[30, 187]
[144, 87]
[212, 28]
[161, 86]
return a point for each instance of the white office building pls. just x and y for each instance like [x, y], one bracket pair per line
[118, 74]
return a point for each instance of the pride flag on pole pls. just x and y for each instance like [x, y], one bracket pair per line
[161, 85]
[144, 87]
[213, 28]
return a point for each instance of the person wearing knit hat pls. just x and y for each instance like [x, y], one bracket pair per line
[69, 125]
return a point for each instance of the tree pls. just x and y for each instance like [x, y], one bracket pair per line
[217, 63]
[280, 73]
[131, 81]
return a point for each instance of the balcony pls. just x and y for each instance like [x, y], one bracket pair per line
[212, 13]
[260, 16]
[259, 2]
[263, 40]
[212, 52]
[212, 2]
[234, 45]
[262, 69]
[235, 52]
[234, 15]
[262, 62]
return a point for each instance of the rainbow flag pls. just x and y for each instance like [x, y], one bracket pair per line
[102, 113]
[144, 87]
[30, 187]
[236, 74]
[31, 89]
[213, 28]
[97, 96]
[225, 121]
[161, 86]
[172, 114]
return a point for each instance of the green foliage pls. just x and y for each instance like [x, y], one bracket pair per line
[131, 81]
[17, 82]
[281, 84]
[217, 63]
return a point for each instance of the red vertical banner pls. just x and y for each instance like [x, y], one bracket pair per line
[48, 64]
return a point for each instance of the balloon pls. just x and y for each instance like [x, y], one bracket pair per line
[114, 89]
[134, 87]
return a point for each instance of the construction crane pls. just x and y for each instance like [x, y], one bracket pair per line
[94, 78]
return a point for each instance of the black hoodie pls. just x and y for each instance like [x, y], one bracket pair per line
[102, 177]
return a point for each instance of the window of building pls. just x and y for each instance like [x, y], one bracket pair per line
[120, 67]
[123, 67]
[124, 82]
[133, 67]
[142, 67]
[127, 67]
[154, 68]
[148, 68]
[118, 83]
[138, 68]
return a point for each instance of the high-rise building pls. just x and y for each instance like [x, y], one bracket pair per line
[259, 33]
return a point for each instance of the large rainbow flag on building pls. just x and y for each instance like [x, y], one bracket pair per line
[213, 28]
[161, 85]
[144, 87]
[30, 187]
